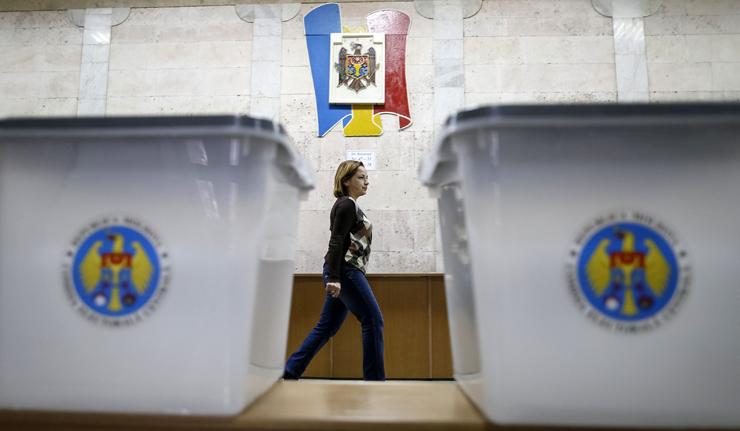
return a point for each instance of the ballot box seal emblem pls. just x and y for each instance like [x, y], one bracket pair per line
[116, 271]
[628, 271]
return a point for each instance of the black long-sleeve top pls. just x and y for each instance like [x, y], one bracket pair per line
[343, 220]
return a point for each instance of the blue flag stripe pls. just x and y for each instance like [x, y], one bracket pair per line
[319, 24]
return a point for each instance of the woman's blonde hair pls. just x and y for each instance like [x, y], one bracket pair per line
[345, 171]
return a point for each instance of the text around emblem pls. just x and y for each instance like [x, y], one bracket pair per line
[117, 271]
[628, 272]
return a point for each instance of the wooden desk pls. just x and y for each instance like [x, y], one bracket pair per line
[329, 405]
[297, 405]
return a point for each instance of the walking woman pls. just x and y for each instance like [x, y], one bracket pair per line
[344, 279]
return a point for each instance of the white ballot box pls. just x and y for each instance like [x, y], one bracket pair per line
[592, 259]
[145, 263]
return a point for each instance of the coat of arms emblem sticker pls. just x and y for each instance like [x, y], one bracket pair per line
[628, 271]
[117, 271]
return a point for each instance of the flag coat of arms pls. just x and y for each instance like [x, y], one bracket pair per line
[363, 119]
[356, 71]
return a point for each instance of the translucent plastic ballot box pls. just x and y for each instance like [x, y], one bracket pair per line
[592, 259]
[145, 263]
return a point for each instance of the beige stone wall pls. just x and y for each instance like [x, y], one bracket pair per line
[538, 51]
[693, 50]
[196, 60]
[39, 64]
[180, 61]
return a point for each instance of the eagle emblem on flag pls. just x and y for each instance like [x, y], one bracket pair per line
[356, 70]
[356, 85]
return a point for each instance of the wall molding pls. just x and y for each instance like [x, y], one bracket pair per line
[92, 96]
[38, 5]
[630, 56]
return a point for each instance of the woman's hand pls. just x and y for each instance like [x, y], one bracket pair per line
[333, 289]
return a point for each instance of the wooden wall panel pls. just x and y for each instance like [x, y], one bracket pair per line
[405, 305]
[347, 360]
[306, 306]
[440, 331]
[416, 334]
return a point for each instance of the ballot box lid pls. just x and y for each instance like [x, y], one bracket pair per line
[113, 129]
[436, 168]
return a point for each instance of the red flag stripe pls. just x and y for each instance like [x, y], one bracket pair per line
[395, 25]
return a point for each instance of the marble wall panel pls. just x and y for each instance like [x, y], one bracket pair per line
[184, 15]
[680, 76]
[474, 100]
[293, 29]
[660, 25]
[726, 76]
[725, 48]
[398, 190]
[493, 50]
[298, 113]
[313, 226]
[395, 231]
[712, 7]
[685, 96]
[420, 142]
[540, 78]
[420, 78]
[679, 48]
[267, 80]
[40, 55]
[485, 25]
[560, 26]
[567, 49]
[296, 80]
[693, 48]
[60, 84]
[399, 261]
[419, 105]
[710, 24]
[390, 153]
[21, 60]
[524, 8]
[308, 262]
[672, 7]
[321, 197]
[37, 19]
[30, 107]
[419, 50]
[18, 85]
[295, 52]
[424, 224]
[304, 142]
[177, 105]
[130, 83]
[332, 150]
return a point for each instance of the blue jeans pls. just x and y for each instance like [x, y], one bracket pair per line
[357, 297]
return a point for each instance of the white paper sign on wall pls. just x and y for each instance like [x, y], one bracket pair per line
[366, 157]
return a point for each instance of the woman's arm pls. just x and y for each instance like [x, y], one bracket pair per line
[344, 219]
